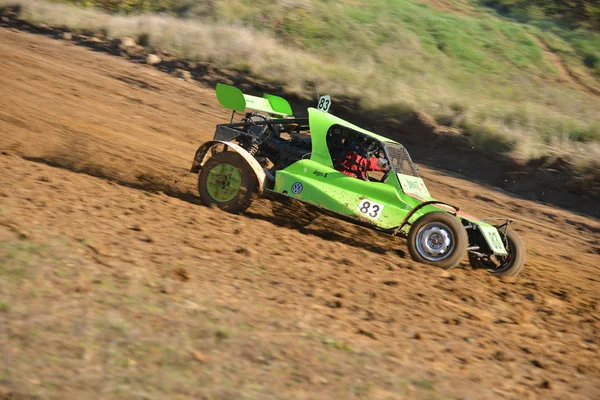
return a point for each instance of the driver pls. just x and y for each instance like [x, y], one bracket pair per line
[350, 163]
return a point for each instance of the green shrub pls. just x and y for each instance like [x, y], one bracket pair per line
[129, 6]
[576, 13]
[585, 134]
[490, 136]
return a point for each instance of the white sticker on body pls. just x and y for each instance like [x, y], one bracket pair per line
[324, 103]
[370, 209]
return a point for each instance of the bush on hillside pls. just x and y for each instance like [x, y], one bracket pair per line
[128, 6]
[575, 13]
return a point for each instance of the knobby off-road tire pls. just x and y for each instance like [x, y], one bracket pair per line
[511, 264]
[227, 181]
[439, 239]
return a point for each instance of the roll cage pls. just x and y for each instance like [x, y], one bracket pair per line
[285, 141]
[340, 138]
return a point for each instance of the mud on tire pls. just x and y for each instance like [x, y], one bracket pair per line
[227, 181]
[439, 239]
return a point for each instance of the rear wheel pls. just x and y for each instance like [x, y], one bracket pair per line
[439, 239]
[509, 265]
[226, 181]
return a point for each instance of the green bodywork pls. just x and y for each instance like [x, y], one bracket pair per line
[383, 204]
[232, 98]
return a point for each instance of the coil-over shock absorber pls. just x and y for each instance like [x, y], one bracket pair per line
[253, 149]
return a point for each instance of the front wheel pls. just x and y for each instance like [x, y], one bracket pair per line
[509, 265]
[439, 239]
[226, 181]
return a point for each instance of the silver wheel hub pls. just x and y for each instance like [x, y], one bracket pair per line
[434, 241]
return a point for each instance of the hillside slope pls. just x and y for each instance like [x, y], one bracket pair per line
[115, 283]
[523, 89]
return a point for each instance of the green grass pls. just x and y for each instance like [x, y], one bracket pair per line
[392, 54]
[336, 344]
[4, 306]
[423, 383]
[494, 69]
[15, 261]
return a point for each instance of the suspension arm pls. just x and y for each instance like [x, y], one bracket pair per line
[412, 212]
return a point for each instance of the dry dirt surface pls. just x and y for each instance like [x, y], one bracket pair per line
[116, 284]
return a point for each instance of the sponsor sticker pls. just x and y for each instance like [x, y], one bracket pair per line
[319, 173]
[297, 188]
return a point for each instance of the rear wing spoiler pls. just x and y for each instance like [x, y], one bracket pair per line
[232, 98]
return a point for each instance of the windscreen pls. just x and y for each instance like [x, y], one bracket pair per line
[401, 160]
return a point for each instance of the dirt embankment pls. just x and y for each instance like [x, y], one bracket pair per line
[116, 284]
[548, 180]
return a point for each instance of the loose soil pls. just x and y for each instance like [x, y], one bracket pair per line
[116, 283]
[547, 179]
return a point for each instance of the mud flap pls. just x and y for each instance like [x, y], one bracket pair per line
[493, 239]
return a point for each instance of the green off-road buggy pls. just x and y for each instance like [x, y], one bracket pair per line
[303, 163]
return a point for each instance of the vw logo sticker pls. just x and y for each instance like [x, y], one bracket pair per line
[297, 188]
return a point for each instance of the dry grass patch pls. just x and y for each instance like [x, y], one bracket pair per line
[409, 54]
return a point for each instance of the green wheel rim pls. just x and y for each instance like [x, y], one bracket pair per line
[224, 182]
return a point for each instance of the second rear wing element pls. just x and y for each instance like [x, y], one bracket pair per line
[232, 98]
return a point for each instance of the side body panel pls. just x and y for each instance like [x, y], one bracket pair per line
[384, 205]
[374, 202]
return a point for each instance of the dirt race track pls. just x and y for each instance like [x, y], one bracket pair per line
[115, 283]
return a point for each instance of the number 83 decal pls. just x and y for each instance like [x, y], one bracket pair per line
[370, 208]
